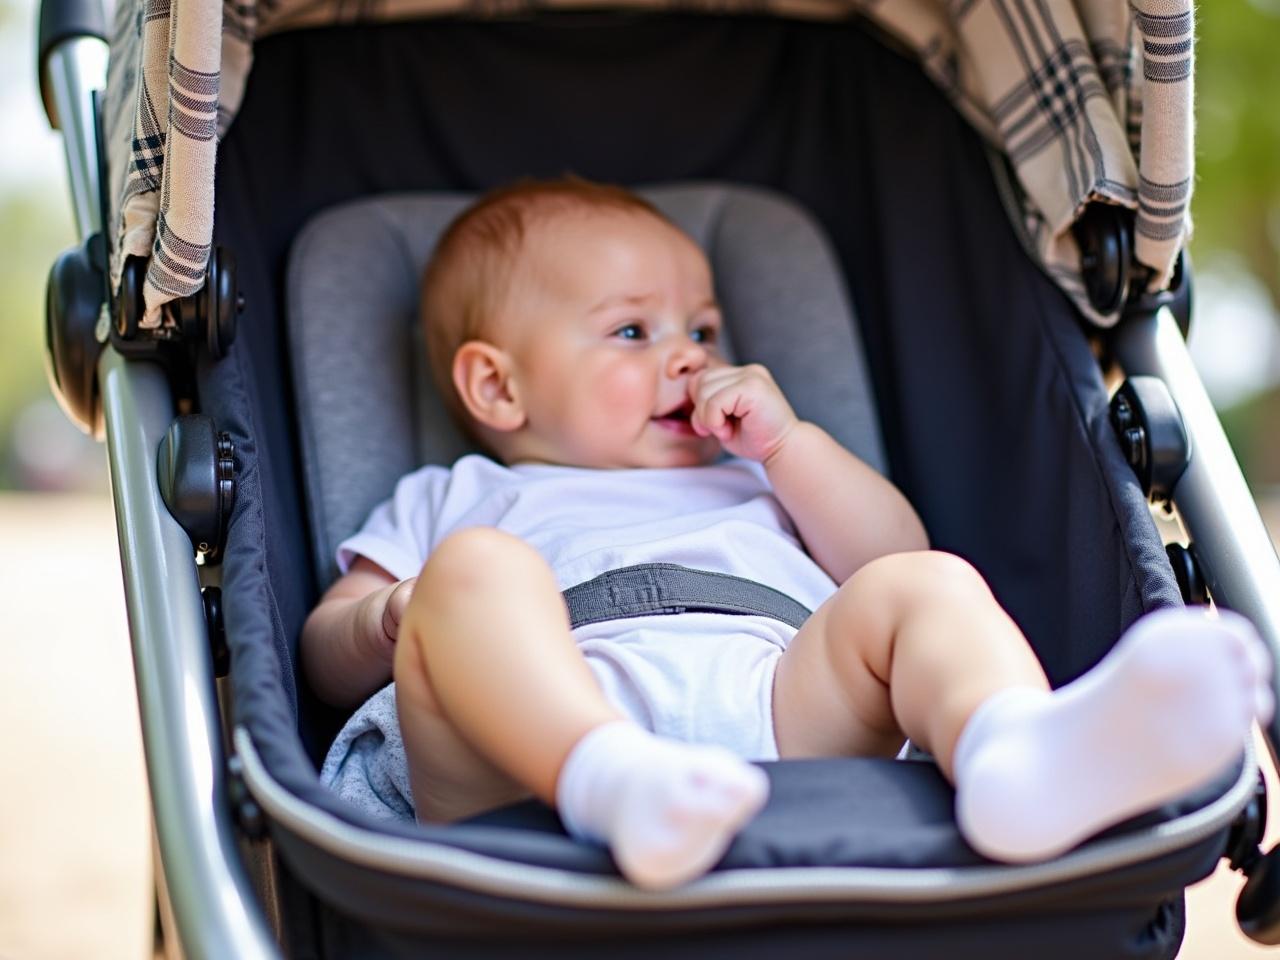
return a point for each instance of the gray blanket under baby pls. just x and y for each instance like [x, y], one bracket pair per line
[366, 765]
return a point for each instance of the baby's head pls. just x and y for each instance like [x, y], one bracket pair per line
[564, 320]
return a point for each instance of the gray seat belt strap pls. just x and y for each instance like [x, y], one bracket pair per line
[650, 588]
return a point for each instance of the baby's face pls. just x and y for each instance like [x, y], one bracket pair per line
[610, 314]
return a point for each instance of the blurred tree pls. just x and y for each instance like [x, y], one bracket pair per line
[1236, 206]
[35, 227]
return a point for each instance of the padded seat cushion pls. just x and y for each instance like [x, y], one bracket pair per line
[368, 412]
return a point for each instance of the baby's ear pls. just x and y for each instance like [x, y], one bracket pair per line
[482, 377]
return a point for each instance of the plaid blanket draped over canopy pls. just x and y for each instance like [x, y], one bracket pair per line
[1089, 99]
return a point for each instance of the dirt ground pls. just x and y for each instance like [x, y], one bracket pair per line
[75, 848]
[75, 873]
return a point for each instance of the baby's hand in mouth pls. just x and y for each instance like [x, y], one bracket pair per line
[743, 408]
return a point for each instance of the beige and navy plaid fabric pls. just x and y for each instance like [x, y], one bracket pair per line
[164, 201]
[1089, 99]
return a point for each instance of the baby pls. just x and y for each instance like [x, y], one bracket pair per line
[573, 330]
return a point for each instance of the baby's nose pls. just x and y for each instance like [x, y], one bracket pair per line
[686, 358]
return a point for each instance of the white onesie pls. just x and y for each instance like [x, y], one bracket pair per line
[699, 677]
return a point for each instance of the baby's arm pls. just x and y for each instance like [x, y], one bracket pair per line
[348, 642]
[847, 513]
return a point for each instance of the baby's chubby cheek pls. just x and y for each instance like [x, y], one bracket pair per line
[622, 392]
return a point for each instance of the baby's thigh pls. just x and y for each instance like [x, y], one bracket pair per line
[450, 781]
[829, 695]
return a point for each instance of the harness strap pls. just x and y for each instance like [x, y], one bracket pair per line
[649, 588]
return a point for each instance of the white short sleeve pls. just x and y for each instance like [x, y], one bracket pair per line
[398, 534]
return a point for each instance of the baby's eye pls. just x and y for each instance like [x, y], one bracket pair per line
[632, 331]
[706, 334]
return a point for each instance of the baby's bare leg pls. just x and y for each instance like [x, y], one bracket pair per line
[495, 702]
[491, 690]
[916, 644]
[909, 646]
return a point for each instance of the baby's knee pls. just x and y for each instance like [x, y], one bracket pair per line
[476, 558]
[931, 575]
[480, 572]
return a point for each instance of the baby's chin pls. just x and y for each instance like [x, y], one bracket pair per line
[668, 461]
[701, 455]
[702, 452]
[638, 463]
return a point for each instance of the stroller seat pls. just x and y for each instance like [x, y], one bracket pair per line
[840, 840]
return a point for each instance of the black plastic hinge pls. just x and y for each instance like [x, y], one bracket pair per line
[205, 320]
[1114, 281]
[218, 649]
[74, 299]
[1247, 830]
[1258, 906]
[1186, 570]
[196, 472]
[249, 817]
[1104, 234]
[1151, 434]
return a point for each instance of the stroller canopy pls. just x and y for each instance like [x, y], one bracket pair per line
[1089, 100]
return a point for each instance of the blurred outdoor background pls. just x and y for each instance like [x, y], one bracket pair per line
[74, 834]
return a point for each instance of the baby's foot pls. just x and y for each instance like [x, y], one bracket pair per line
[673, 824]
[1165, 711]
[667, 810]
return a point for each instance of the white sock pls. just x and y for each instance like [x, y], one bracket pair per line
[667, 810]
[1164, 712]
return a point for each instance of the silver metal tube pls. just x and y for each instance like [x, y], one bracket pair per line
[76, 68]
[213, 903]
[1214, 504]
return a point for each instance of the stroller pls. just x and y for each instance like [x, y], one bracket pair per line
[258, 395]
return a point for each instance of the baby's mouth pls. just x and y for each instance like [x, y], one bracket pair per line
[677, 419]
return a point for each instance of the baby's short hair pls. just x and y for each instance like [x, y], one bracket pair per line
[469, 275]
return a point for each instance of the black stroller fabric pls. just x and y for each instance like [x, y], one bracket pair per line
[992, 405]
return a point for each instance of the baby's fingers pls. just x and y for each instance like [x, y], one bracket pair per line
[698, 392]
[708, 378]
[397, 603]
[717, 407]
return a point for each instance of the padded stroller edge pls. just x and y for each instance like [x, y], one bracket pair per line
[493, 861]
[376, 881]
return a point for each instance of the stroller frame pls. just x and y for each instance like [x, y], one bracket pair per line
[211, 873]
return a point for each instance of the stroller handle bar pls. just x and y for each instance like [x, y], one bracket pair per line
[72, 69]
[1214, 505]
[214, 903]
[62, 20]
